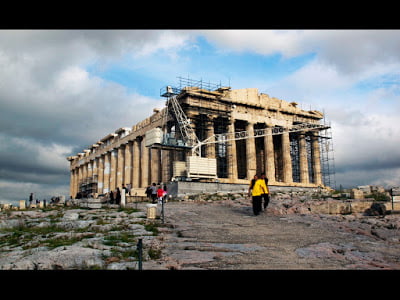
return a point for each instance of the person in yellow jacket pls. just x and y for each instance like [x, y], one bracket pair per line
[257, 190]
[266, 195]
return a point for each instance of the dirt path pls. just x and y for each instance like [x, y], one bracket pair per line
[225, 235]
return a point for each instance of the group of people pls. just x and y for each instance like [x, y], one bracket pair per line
[53, 200]
[115, 196]
[156, 192]
[258, 190]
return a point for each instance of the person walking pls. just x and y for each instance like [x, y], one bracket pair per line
[118, 196]
[30, 199]
[160, 194]
[265, 197]
[153, 193]
[125, 188]
[148, 192]
[257, 190]
[252, 182]
[111, 197]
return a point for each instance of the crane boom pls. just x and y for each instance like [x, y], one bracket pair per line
[187, 132]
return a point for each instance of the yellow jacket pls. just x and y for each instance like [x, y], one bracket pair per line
[259, 188]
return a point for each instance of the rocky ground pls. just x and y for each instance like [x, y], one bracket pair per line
[214, 233]
[69, 238]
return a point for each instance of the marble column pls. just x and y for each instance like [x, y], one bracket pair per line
[128, 164]
[231, 153]
[155, 162]
[113, 169]
[76, 181]
[210, 148]
[100, 171]
[316, 160]
[251, 152]
[120, 166]
[287, 160]
[144, 164]
[80, 176]
[136, 164]
[71, 184]
[165, 165]
[269, 156]
[303, 159]
[106, 173]
[95, 167]
[85, 172]
[90, 170]
[166, 159]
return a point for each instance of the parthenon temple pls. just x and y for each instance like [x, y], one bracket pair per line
[288, 157]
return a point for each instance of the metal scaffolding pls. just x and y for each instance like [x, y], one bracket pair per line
[195, 134]
[327, 156]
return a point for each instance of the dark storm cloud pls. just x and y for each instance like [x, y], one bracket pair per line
[51, 107]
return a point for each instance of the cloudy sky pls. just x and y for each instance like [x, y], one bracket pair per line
[62, 90]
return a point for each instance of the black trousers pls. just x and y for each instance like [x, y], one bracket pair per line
[256, 205]
[265, 197]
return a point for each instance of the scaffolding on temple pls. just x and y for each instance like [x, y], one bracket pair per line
[199, 128]
[327, 156]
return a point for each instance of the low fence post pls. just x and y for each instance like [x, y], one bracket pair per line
[140, 253]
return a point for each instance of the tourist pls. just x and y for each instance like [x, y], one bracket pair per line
[265, 196]
[118, 197]
[30, 198]
[252, 182]
[165, 193]
[125, 188]
[153, 193]
[111, 197]
[257, 190]
[148, 192]
[160, 194]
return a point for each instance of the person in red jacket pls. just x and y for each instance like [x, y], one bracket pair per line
[160, 194]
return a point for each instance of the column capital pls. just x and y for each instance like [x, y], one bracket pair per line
[211, 117]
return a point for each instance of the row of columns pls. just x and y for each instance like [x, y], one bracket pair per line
[138, 166]
[269, 156]
[131, 164]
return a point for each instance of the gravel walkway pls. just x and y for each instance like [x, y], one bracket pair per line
[225, 235]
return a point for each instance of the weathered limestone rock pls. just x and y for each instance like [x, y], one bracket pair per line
[71, 215]
[61, 258]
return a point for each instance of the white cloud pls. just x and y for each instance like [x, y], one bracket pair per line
[72, 80]
[310, 83]
[368, 146]
[349, 50]
[170, 41]
[266, 42]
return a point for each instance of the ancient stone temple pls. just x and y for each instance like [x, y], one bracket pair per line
[247, 132]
